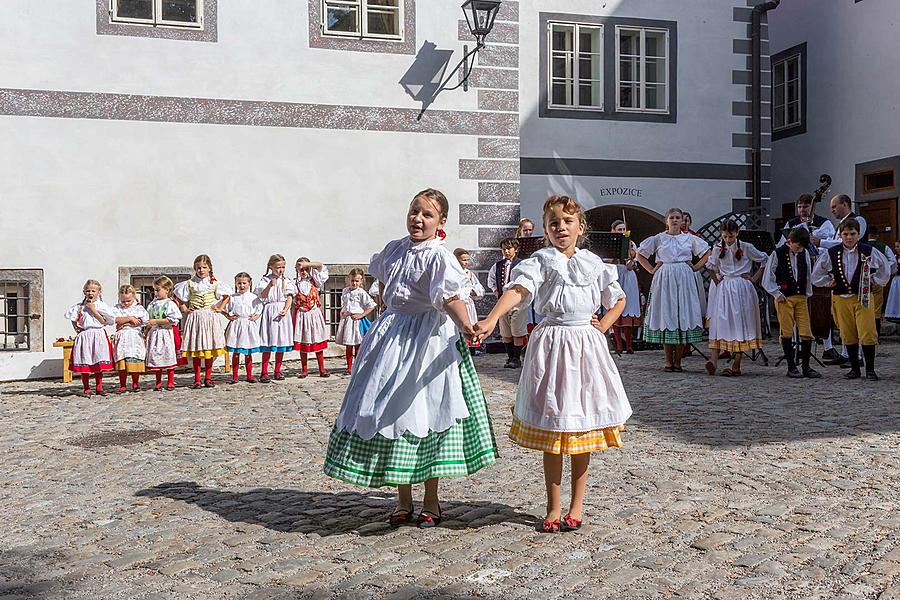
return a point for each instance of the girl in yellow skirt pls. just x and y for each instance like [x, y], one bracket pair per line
[128, 341]
[570, 398]
[203, 334]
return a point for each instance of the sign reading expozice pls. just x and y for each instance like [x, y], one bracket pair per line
[621, 191]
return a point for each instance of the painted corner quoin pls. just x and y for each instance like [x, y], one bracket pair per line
[495, 169]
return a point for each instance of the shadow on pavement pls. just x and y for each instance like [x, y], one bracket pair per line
[296, 511]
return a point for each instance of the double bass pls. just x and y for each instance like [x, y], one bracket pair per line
[820, 318]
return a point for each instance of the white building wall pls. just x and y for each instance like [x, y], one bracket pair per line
[853, 98]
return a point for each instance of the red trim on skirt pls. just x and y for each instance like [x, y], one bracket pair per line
[177, 335]
[317, 347]
[99, 367]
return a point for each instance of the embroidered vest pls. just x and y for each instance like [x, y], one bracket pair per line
[199, 300]
[784, 275]
[500, 272]
[307, 302]
[844, 286]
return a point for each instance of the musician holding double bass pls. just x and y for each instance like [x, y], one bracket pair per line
[819, 227]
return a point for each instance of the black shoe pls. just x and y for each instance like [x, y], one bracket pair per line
[515, 364]
[812, 374]
[871, 376]
[852, 374]
[794, 374]
[840, 360]
[831, 354]
[509, 364]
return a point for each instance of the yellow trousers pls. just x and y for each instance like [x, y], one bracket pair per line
[857, 324]
[795, 311]
[877, 299]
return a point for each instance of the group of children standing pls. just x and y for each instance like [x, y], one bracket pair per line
[183, 322]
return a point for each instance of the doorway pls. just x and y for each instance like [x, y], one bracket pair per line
[641, 222]
[881, 214]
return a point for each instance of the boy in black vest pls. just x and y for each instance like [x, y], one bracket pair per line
[788, 279]
[850, 269]
[514, 324]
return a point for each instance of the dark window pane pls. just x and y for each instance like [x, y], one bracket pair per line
[183, 11]
[793, 69]
[560, 93]
[793, 113]
[134, 9]
[628, 69]
[383, 23]
[779, 119]
[589, 94]
[628, 96]
[559, 67]
[629, 43]
[879, 181]
[586, 42]
[342, 19]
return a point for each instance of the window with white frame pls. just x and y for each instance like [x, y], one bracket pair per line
[786, 100]
[642, 56]
[576, 66]
[378, 19]
[168, 13]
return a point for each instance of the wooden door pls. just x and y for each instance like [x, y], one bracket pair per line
[883, 214]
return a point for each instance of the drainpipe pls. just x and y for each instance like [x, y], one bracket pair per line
[756, 100]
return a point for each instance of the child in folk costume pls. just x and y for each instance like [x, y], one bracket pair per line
[203, 336]
[878, 295]
[92, 352]
[513, 324]
[128, 341]
[356, 306]
[276, 331]
[464, 258]
[243, 310]
[525, 228]
[414, 410]
[892, 304]
[310, 331]
[734, 321]
[570, 398]
[674, 316]
[788, 279]
[163, 337]
[631, 316]
[850, 270]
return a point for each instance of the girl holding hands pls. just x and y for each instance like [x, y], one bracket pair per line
[570, 397]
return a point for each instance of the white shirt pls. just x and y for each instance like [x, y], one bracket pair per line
[475, 284]
[673, 248]
[567, 288]
[375, 289]
[770, 284]
[836, 238]
[878, 263]
[244, 305]
[317, 276]
[135, 310]
[356, 302]
[280, 290]
[823, 232]
[492, 275]
[79, 314]
[183, 291]
[729, 265]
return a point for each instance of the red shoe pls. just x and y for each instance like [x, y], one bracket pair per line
[550, 526]
[170, 387]
[302, 373]
[87, 392]
[135, 388]
[121, 389]
[233, 380]
[324, 373]
[196, 385]
[157, 387]
[570, 524]
[209, 383]
[101, 391]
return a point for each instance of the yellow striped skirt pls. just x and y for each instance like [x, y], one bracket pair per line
[565, 442]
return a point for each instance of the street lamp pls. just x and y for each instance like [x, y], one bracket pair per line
[480, 16]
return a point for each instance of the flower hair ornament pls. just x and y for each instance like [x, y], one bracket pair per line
[442, 234]
[738, 254]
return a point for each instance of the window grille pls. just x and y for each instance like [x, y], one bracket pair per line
[14, 315]
[143, 285]
[642, 69]
[576, 66]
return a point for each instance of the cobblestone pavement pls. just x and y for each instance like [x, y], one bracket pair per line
[758, 487]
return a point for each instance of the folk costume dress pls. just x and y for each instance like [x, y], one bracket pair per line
[476, 291]
[674, 313]
[892, 303]
[631, 316]
[92, 351]
[414, 408]
[164, 341]
[129, 346]
[276, 331]
[242, 334]
[202, 333]
[354, 302]
[570, 398]
[734, 320]
[310, 331]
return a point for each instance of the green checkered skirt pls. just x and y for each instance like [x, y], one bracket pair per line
[461, 450]
[677, 336]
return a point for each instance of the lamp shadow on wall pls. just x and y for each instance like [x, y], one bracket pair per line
[424, 79]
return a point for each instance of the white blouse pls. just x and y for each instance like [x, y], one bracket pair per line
[279, 292]
[567, 289]
[356, 302]
[135, 310]
[729, 265]
[183, 292]
[673, 248]
[79, 314]
[245, 305]
[420, 276]
[164, 309]
[319, 276]
[475, 285]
